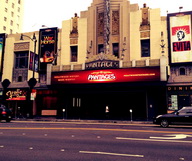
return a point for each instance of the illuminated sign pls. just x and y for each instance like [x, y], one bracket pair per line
[179, 88]
[17, 94]
[107, 76]
[180, 37]
[47, 46]
[2, 45]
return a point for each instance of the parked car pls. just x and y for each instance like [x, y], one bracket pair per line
[180, 117]
[5, 113]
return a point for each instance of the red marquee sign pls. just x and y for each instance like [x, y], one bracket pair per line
[107, 76]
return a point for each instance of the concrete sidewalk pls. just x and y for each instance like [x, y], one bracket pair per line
[51, 119]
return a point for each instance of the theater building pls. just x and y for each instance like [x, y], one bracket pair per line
[110, 60]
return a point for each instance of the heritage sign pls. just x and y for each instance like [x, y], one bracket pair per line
[102, 64]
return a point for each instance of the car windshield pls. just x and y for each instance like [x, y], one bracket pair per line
[185, 110]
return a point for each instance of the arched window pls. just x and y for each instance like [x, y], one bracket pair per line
[182, 71]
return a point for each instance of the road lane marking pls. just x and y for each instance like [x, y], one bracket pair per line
[172, 137]
[140, 139]
[114, 154]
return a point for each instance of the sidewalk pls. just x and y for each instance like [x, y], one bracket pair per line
[51, 119]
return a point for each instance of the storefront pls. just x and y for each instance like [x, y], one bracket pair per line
[105, 94]
[179, 96]
[17, 100]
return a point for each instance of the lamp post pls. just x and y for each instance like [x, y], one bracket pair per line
[32, 81]
[34, 39]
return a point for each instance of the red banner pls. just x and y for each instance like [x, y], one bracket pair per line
[107, 76]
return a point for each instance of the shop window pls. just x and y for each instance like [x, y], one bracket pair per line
[100, 48]
[116, 49]
[182, 71]
[21, 59]
[50, 102]
[173, 102]
[74, 53]
[145, 48]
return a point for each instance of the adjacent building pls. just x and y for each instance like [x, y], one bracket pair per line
[110, 60]
[11, 17]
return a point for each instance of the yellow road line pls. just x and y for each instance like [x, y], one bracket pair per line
[91, 129]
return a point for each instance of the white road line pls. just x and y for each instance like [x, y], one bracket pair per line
[116, 154]
[139, 139]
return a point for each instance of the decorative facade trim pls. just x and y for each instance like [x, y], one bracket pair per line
[21, 46]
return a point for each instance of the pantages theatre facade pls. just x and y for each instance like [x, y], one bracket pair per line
[110, 61]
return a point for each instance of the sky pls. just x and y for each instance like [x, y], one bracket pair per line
[52, 13]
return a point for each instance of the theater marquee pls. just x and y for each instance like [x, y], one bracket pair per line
[107, 76]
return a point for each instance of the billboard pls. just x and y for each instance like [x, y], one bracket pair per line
[2, 45]
[48, 46]
[179, 33]
[107, 76]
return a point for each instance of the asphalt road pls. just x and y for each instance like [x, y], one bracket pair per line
[70, 141]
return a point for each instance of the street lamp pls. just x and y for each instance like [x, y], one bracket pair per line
[32, 82]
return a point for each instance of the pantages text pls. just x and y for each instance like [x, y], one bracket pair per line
[102, 64]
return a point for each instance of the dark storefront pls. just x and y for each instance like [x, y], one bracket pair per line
[90, 101]
[17, 100]
[104, 94]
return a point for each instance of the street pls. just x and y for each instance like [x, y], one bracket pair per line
[83, 141]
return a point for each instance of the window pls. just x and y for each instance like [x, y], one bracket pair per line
[182, 71]
[19, 1]
[145, 48]
[19, 79]
[100, 48]
[11, 31]
[5, 18]
[6, 9]
[4, 28]
[116, 49]
[18, 18]
[12, 14]
[13, 5]
[6, 1]
[21, 59]
[18, 9]
[11, 23]
[74, 52]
